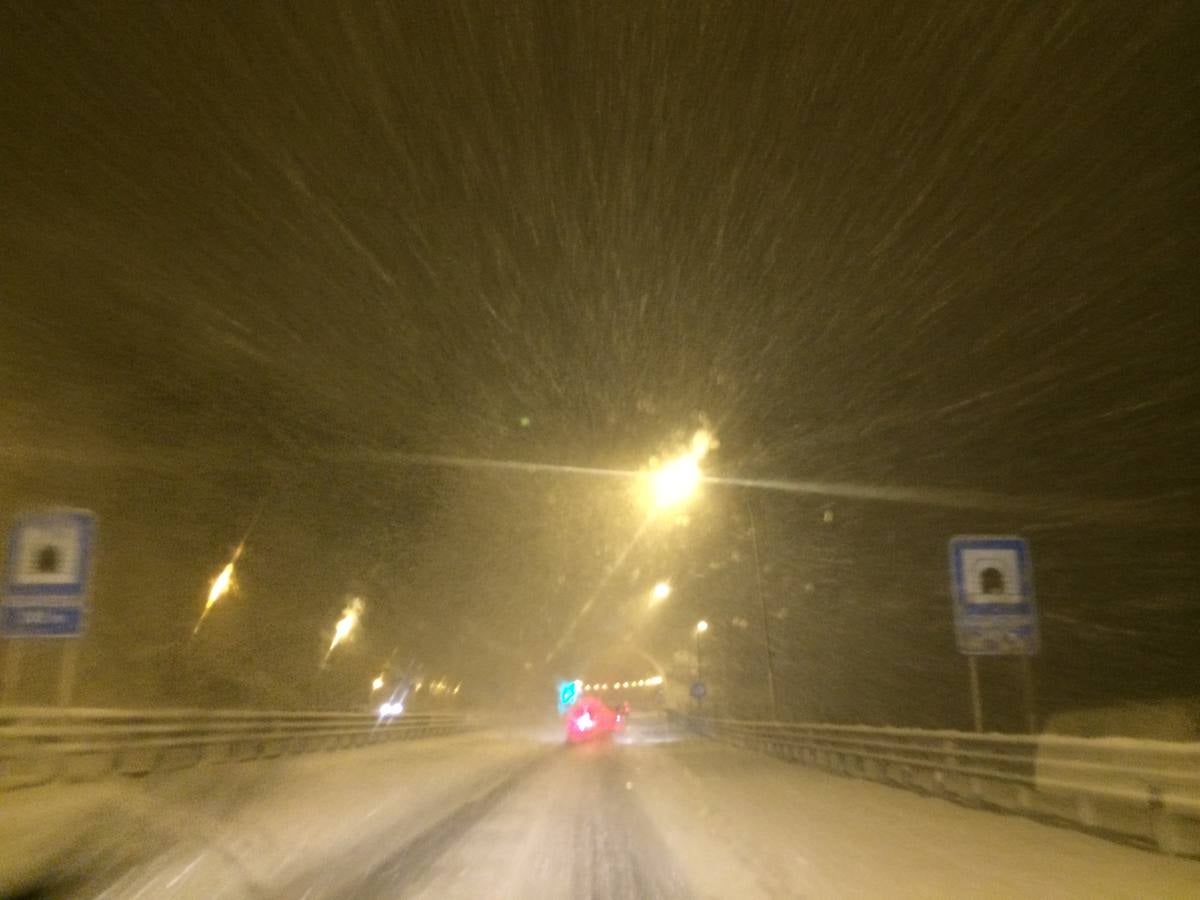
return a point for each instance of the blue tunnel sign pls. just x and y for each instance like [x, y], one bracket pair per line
[46, 574]
[991, 580]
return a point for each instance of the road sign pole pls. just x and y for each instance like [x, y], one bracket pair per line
[995, 611]
[976, 700]
[66, 674]
[12, 671]
[1029, 690]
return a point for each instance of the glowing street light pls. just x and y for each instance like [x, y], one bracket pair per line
[661, 591]
[701, 626]
[377, 683]
[346, 624]
[674, 482]
[221, 586]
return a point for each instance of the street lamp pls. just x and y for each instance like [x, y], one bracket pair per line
[377, 683]
[674, 482]
[221, 586]
[661, 591]
[701, 628]
[346, 624]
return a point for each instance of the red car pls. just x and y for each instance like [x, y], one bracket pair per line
[590, 719]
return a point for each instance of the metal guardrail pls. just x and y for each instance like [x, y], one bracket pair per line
[1145, 790]
[40, 746]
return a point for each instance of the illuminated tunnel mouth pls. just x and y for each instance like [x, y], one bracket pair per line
[621, 661]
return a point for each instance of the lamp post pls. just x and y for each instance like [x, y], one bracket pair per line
[672, 484]
[701, 628]
[762, 605]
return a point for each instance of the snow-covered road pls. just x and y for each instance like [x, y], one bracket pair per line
[649, 815]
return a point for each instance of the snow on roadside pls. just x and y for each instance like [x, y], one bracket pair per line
[749, 826]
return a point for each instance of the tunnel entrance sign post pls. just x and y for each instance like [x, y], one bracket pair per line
[46, 573]
[995, 612]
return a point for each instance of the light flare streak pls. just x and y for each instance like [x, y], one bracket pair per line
[345, 626]
[221, 586]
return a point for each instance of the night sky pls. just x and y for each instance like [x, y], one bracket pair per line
[261, 261]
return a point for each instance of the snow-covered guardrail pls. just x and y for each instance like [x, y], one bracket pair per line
[1147, 790]
[38, 746]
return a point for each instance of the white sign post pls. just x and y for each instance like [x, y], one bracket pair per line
[46, 575]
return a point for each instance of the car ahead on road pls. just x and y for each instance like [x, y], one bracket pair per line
[589, 719]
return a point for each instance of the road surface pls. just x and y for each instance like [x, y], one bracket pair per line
[652, 814]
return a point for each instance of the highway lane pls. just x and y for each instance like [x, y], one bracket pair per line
[245, 830]
[571, 827]
[653, 814]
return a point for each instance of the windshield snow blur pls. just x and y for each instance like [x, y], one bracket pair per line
[599, 450]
